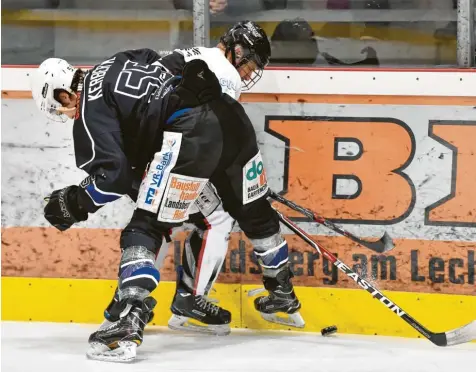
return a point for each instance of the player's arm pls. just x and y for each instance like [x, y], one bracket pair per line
[109, 172]
[99, 151]
[174, 61]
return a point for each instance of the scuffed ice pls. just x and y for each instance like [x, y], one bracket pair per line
[57, 347]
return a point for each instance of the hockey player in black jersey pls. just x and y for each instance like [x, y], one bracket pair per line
[234, 64]
[125, 110]
[206, 247]
[214, 142]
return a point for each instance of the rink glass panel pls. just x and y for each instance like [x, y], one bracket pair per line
[378, 32]
[398, 33]
[86, 32]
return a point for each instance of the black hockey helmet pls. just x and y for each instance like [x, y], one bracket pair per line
[247, 41]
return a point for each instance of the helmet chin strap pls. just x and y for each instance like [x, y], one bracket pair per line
[233, 55]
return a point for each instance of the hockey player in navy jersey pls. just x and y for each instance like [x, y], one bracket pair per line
[132, 110]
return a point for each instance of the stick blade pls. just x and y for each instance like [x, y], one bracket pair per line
[466, 333]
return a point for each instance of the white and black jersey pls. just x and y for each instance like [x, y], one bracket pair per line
[227, 75]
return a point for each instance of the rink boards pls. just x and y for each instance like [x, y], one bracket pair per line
[374, 151]
[352, 311]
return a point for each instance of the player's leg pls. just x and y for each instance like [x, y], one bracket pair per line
[115, 307]
[204, 252]
[131, 308]
[170, 186]
[271, 249]
[260, 224]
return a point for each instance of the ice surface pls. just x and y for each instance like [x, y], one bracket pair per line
[51, 347]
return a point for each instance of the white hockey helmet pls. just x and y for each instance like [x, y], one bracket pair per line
[52, 74]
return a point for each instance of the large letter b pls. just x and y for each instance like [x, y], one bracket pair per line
[349, 169]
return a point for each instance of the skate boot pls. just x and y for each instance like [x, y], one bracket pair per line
[114, 310]
[197, 313]
[280, 300]
[118, 342]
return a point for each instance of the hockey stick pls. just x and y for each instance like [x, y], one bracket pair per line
[457, 336]
[384, 244]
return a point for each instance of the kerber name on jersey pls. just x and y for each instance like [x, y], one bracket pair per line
[97, 77]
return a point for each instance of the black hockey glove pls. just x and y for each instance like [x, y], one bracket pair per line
[198, 85]
[63, 209]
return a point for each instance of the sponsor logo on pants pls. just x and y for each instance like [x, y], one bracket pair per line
[255, 184]
[180, 194]
[155, 179]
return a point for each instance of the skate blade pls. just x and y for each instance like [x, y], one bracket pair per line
[183, 323]
[291, 320]
[124, 353]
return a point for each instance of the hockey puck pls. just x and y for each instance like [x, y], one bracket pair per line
[329, 330]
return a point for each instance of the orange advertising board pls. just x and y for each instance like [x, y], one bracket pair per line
[414, 265]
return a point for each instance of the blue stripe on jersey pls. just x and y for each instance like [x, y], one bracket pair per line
[99, 197]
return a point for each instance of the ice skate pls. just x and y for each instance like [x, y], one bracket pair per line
[197, 313]
[281, 305]
[114, 310]
[118, 341]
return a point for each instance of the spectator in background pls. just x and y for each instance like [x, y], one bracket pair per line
[238, 7]
[293, 43]
[216, 6]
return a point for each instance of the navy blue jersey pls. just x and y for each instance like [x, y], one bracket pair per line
[114, 95]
